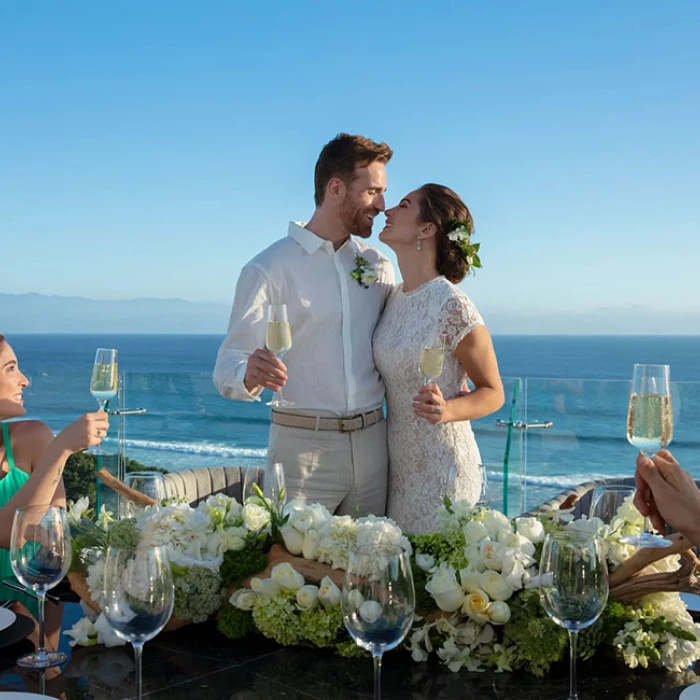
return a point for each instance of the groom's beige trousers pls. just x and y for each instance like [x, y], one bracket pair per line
[346, 472]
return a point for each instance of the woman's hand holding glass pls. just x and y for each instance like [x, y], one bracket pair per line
[430, 404]
[104, 382]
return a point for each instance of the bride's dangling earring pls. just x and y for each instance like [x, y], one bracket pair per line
[419, 245]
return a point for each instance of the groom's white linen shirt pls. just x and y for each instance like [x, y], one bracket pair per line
[332, 318]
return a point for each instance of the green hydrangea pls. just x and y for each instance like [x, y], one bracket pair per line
[444, 546]
[124, 534]
[320, 625]
[235, 623]
[278, 618]
[197, 593]
[349, 650]
[237, 566]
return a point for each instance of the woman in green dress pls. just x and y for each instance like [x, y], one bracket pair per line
[32, 462]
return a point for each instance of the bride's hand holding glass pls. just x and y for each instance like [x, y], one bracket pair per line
[430, 404]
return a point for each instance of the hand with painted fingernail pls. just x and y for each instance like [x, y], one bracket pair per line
[430, 404]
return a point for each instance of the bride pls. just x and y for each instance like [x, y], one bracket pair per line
[432, 450]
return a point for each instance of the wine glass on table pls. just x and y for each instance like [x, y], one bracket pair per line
[149, 483]
[103, 383]
[278, 340]
[378, 601]
[574, 591]
[605, 505]
[40, 555]
[138, 596]
[650, 425]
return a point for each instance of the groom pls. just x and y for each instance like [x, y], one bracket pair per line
[332, 441]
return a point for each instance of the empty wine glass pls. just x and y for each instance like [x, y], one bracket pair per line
[650, 413]
[576, 586]
[378, 601]
[605, 504]
[253, 483]
[149, 483]
[278, 339]
[138, 596]
[103, 383]
[432, 357]
[275, 488]
[483, 501]
[40, 555]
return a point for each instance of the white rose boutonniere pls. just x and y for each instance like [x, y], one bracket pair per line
[364, 273]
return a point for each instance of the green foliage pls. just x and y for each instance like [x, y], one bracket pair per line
[124, 534]
[349, 650]
[277, 618]
[237, 566]
[320, 625]
[424, 601]
[536, 640]
[444, 546]
[235, 623]
[197, 593]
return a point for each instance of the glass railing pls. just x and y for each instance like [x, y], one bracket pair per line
[549, 435]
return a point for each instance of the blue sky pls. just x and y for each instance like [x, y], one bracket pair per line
[150, 149]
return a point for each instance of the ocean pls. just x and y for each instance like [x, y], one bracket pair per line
[578, 383]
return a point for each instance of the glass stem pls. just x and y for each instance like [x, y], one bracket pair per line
[573, 638]
[41, 598]
[377, 676]
[138, 655]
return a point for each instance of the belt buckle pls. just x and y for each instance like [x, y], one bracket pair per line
[341, 425]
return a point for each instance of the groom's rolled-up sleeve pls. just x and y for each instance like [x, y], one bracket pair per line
[246, 332]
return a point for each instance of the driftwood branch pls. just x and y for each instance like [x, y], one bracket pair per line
[121, 488]
[684, 579]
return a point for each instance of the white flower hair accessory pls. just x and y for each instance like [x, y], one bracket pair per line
[364, 273]
[460, 235]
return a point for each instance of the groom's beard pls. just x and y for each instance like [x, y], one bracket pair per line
[355, 219]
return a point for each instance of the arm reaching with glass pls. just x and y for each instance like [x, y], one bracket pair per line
[668, 494]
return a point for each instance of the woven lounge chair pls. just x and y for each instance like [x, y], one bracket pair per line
[194, 485]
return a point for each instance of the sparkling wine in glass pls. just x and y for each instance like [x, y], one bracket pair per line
[605, 504]
[139, 596]
[40, 555]
[576, 589]
[378, 601]
[432, 358]
[103, 382]
[278, 339]
[149, 483]
[650, 413]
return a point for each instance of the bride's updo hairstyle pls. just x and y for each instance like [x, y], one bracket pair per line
[442, 206]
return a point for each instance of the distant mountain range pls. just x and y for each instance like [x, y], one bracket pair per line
[39, 313]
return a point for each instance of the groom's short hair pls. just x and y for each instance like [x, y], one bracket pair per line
[341, 156]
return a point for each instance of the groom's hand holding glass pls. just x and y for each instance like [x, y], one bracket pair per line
[264, 371]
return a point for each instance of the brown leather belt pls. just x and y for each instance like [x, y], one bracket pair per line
[341, 424]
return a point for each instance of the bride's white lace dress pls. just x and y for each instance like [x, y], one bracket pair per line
[426, 461]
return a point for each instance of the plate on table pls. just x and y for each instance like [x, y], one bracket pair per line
[17, 631]
[7, 618]
[692, 692]
[692, 602]
[20, 695]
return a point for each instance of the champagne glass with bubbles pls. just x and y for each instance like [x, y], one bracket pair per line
[103, 382]
[138, 596]
[40, 555]
[278, 340]
[650, 413]
[378, 600]
[574, 591]
[432, 358]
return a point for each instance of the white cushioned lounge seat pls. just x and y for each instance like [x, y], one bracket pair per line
[197, 484]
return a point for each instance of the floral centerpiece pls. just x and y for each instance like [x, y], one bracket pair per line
[260, 570]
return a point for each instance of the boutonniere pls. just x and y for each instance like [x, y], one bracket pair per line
[364, 273]
[461, 235]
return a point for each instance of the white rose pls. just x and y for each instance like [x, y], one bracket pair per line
[425, 561]
[513, 570]
[233, 539]
[532, 528]
[309, 549]
[243, 599]
[307, 597]
[255, 517]
[444, 588]
[82, 633]
[592, 525]
[495, 522]
[106, 635]
[472, 553]
[471, 580]
[355, 599]
[499, 613]
[475, 531]
[492, 554]
[264, 587]
[495, 586]
[285, 576]
[370, 610]
[293, 539]
[476, 605]
[329, 593]
[301, 520]
[487, 634]
[512, 540]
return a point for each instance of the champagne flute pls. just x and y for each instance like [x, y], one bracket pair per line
[40, 555]
[278, 339]
[103, 382]
[432, 358]
[149, 483]
[483, 501]
[576, 590]
[378, 601]
[275, 488]
[138, 596]
[253, 483]
[650, 414]
[605, 504]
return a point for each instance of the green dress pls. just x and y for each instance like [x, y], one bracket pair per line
[9, 486]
